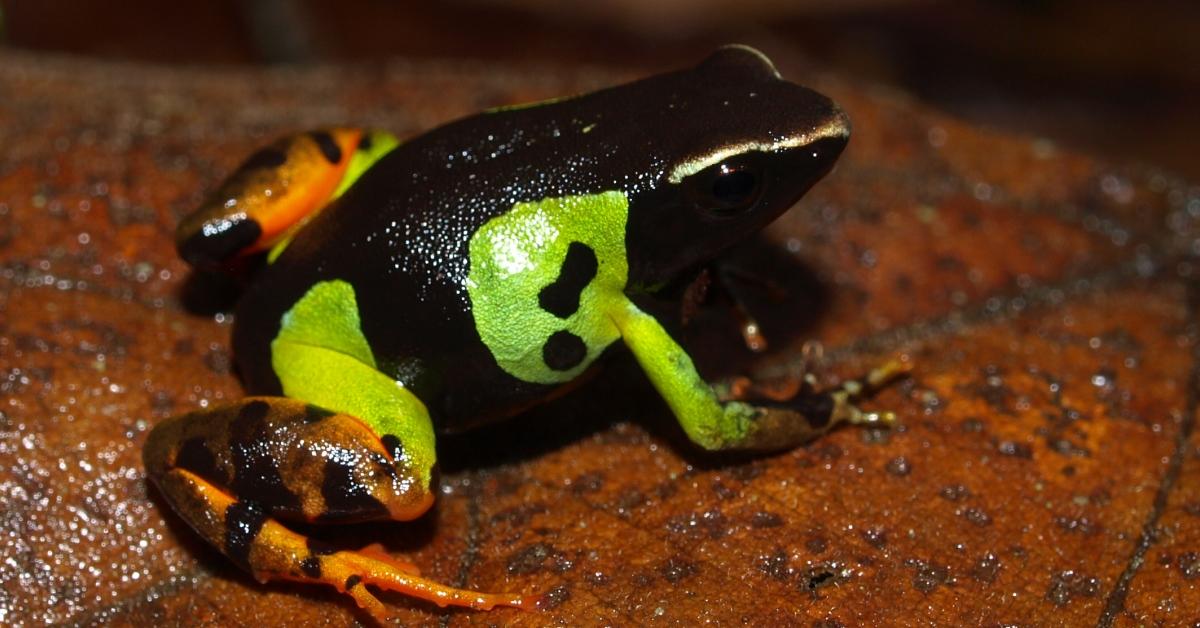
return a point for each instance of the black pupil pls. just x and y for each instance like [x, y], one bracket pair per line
[734, 187]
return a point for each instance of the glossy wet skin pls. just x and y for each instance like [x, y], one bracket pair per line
[463, 276]
[400, 234]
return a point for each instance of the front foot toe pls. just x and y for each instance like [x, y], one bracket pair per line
[872, 419]
[797, 411]
[846, 396]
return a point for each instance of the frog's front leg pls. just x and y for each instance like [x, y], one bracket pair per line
[738, 425]
[238, 472]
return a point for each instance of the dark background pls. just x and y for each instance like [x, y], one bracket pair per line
[1113, 77]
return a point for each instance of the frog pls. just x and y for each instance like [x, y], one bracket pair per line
[456, 278]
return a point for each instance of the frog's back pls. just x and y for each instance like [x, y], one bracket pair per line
[405, 271]
[400, 236]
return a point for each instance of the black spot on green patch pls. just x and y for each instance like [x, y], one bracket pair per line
[564, 351]
[329, 148]
[561, 298]
[365, 142]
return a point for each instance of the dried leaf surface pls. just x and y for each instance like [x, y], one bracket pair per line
[1045, 471]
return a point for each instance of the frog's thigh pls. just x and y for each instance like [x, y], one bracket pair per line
[236, 472]
[322, 357]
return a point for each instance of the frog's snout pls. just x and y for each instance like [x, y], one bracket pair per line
[823, 153]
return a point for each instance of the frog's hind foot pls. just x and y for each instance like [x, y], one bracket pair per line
[351, 571]
[376, 551]
[277, 552]
[237, 472]
[288, 555]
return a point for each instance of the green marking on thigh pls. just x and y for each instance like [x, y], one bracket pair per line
[322, 357]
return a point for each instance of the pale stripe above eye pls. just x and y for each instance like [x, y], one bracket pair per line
[833, 128]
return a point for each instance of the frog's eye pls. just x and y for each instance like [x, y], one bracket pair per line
[728, 188]
[734, 186]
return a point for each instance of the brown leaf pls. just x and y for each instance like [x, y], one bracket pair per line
[1045, 469]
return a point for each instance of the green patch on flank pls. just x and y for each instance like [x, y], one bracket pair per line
[516, 255]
